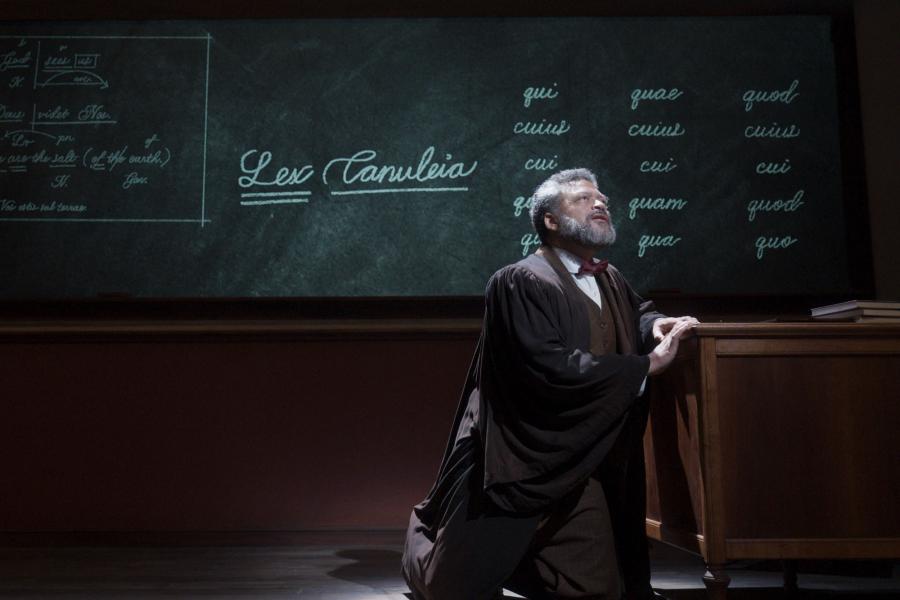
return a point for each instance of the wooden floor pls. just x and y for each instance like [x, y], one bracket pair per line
[328, 567]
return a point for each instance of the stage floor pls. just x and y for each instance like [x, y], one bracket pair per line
[334, 566]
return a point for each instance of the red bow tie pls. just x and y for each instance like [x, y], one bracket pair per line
[591, 267]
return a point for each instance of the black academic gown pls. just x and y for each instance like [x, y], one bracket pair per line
[537, 416]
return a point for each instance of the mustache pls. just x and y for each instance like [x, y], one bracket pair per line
[600, 213]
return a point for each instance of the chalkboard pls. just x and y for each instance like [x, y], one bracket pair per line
[396, 157]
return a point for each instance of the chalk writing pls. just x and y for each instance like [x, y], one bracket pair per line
[644, 203]
[657, 130]
[12, 60]
[787, 96]
[133, 179]
[541, 164]
[658, 166]
[655, 241]
[355, 169]
[522, 205]
[773, 131]
[253, 165]
[539, 93]
[638, 95]
[529, 241]
[69, 141]
[10, 116]
[773, 243]
[542, 128]
[761, 205]
[773, 168]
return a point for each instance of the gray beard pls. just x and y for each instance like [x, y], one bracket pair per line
[585, 235]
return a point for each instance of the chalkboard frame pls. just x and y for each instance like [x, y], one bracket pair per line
[858, 240]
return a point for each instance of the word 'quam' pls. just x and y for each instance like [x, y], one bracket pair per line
[645, 203]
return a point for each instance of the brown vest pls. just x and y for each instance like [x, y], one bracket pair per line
[603, 328]
[618, 329]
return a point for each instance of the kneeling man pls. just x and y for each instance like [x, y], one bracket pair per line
[541, 488]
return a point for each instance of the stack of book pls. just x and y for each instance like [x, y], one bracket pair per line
[867, 311]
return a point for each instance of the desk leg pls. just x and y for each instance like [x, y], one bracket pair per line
[716, 581]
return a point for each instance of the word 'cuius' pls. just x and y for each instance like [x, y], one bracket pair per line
[356, 169]
[773, 131]
[658, 130]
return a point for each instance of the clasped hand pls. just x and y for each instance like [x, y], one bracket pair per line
[667, 332]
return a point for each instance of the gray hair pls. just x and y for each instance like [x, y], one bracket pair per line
[547, 195]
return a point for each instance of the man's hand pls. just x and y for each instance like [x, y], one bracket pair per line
[664, 325]
[667, 348]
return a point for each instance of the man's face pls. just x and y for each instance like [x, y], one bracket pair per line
[582, 216]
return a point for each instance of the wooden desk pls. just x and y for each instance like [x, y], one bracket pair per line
[778, 441]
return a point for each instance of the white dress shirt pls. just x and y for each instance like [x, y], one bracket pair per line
[586, 281]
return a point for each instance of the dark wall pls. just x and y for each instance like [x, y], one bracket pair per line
[878, 50]
[129, 434]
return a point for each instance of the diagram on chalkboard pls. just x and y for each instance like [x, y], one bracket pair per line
[87, 135]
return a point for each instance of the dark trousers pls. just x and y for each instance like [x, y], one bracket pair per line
[572, 554]
[596, 534]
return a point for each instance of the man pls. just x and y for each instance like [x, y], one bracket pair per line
[541, 488]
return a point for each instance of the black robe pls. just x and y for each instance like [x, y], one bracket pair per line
[537, 415]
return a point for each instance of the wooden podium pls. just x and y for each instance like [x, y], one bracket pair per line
[777, 441]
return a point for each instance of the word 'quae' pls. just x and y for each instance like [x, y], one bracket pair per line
[784, 96]
[638, 95]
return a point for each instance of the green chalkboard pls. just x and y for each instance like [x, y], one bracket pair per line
[395, 157]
